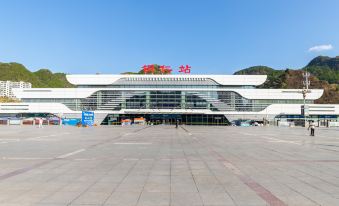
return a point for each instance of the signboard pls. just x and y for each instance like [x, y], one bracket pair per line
[71, 122]
[163, 69]
[185, 69]
[87, 118]
[290, 116]
[327, 116]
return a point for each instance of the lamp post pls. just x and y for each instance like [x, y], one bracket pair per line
[304, 91]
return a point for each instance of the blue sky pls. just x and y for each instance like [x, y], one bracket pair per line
[214, 37]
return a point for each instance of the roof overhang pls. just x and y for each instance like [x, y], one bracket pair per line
[108, 79]
[258, 94]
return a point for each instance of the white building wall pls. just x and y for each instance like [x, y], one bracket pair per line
[269, 113]
[246, 93]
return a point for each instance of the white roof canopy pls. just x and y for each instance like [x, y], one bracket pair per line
[107, 79]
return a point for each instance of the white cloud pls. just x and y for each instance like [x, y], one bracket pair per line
[319, 48]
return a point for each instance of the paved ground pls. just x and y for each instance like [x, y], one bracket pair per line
[161, 165]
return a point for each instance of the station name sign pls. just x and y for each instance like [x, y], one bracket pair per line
[163, 69]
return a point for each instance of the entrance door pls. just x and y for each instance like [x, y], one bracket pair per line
[169, 121]
[323, 122]
[217, 120]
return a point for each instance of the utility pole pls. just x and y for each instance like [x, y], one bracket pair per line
[305, 90]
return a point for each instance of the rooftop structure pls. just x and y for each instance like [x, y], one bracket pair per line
[222, 80]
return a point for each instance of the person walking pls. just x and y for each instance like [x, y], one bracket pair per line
[40, 122]
[177, 124]
[312, 127]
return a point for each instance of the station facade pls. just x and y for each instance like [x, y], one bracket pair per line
[191, 99]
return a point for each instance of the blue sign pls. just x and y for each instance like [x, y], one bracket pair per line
[328, 116]
[87, 118]
[71, 122]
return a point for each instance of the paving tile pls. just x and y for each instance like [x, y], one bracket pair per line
[123, 198]
[154, 199]
[216, 198]
[92, 198]
[185, 198]
[211, 166]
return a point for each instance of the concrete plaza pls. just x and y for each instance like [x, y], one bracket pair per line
[161, 165]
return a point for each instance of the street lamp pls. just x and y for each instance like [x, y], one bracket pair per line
[304, 91]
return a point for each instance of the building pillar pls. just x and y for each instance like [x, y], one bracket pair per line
[77, 105]
[183, 100]
[233, 101]
[123, 100]
[148, 99]
[99, 99]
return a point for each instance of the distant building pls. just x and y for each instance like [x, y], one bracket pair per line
[7, 86]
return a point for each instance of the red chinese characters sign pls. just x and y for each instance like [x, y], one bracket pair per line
[148, 69]
[185, 69]
[163, 69]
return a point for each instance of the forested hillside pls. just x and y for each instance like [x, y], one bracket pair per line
[40, 78]
[324, 75]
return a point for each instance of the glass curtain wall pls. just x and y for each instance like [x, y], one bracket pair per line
[110, 100]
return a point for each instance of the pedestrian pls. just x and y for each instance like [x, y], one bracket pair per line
[40, 122]
[312, 127]
[177, 124]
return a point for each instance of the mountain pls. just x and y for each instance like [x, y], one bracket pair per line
[324, 75]
[52, 80]
[42, 78]
[325, 68]
[274, 79]
[331, 63]
[257, 70]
